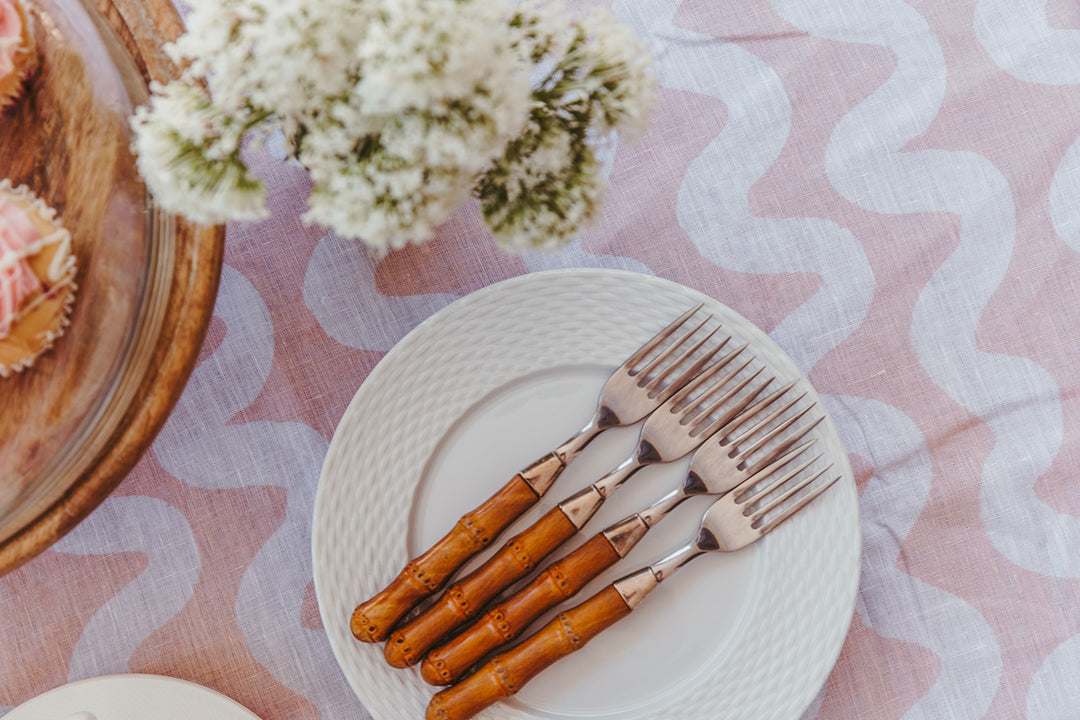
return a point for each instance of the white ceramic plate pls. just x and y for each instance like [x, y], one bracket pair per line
[131, 697]
[494, 381]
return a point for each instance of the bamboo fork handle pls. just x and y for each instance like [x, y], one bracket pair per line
[509, 619]
[508, 672]
[408, 644]
[373, 619]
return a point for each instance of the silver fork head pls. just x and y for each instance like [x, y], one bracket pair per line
[656, 371]
[756, 437]
[760, 503]
[682, 423]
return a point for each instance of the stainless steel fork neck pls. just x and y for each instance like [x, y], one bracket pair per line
[569, 449]
[614, 479]
[655, 512]
[665, 568]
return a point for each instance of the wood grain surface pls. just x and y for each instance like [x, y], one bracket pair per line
[76, 423]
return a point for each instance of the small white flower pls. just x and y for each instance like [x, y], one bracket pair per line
[426, 54]
[280, 55]
[397, 109]
[622, 66]
[189, 154]
[596, 66]
[543, 192]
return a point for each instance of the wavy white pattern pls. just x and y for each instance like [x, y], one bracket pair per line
[1021, 41]
[866, 165]
[1054, 692]
[1063, 197]
[891, 501]
[198, 446]
[340, 290]
[1019, 38]
[713, 204]
[160, 532]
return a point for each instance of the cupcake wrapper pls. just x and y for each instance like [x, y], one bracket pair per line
[65, 285]
[13, 85]
[50, 338]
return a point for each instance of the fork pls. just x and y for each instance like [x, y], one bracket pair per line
[677, 428]
[731, 523]
[649, 377]
[717, 466]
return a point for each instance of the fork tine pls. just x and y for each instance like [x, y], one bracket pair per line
[758, 406]
[688, 389]
[777, 463]
[798, 504]
[666, 352]
[782, 445]
[660, 337]
[742, 492]
[759, 496]
[731, 412]
[750, 412]
[748, 449]
[688, 373]
[773, 415]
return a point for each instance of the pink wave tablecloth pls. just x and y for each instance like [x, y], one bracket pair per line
[890, 189]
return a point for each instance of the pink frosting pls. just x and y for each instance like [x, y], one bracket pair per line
[17, 280]
[11, 28]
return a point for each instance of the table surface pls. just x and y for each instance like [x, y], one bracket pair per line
[890, 190]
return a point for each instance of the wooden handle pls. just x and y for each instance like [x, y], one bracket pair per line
[373, 620]
[408, 644]
[507, 673]
[507, 620]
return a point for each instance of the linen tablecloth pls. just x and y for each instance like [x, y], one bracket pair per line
[891, 190]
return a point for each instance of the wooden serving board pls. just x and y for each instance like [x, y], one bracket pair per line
[73, 425]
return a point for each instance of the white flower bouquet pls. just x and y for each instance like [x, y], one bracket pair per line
[398, 109]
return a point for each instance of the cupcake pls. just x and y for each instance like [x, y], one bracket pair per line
[18, 55]
[37, 278]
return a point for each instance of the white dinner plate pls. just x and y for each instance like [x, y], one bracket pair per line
[499, 378]
[131, 697]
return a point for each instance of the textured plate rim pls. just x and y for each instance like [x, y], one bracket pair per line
[145, 686]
